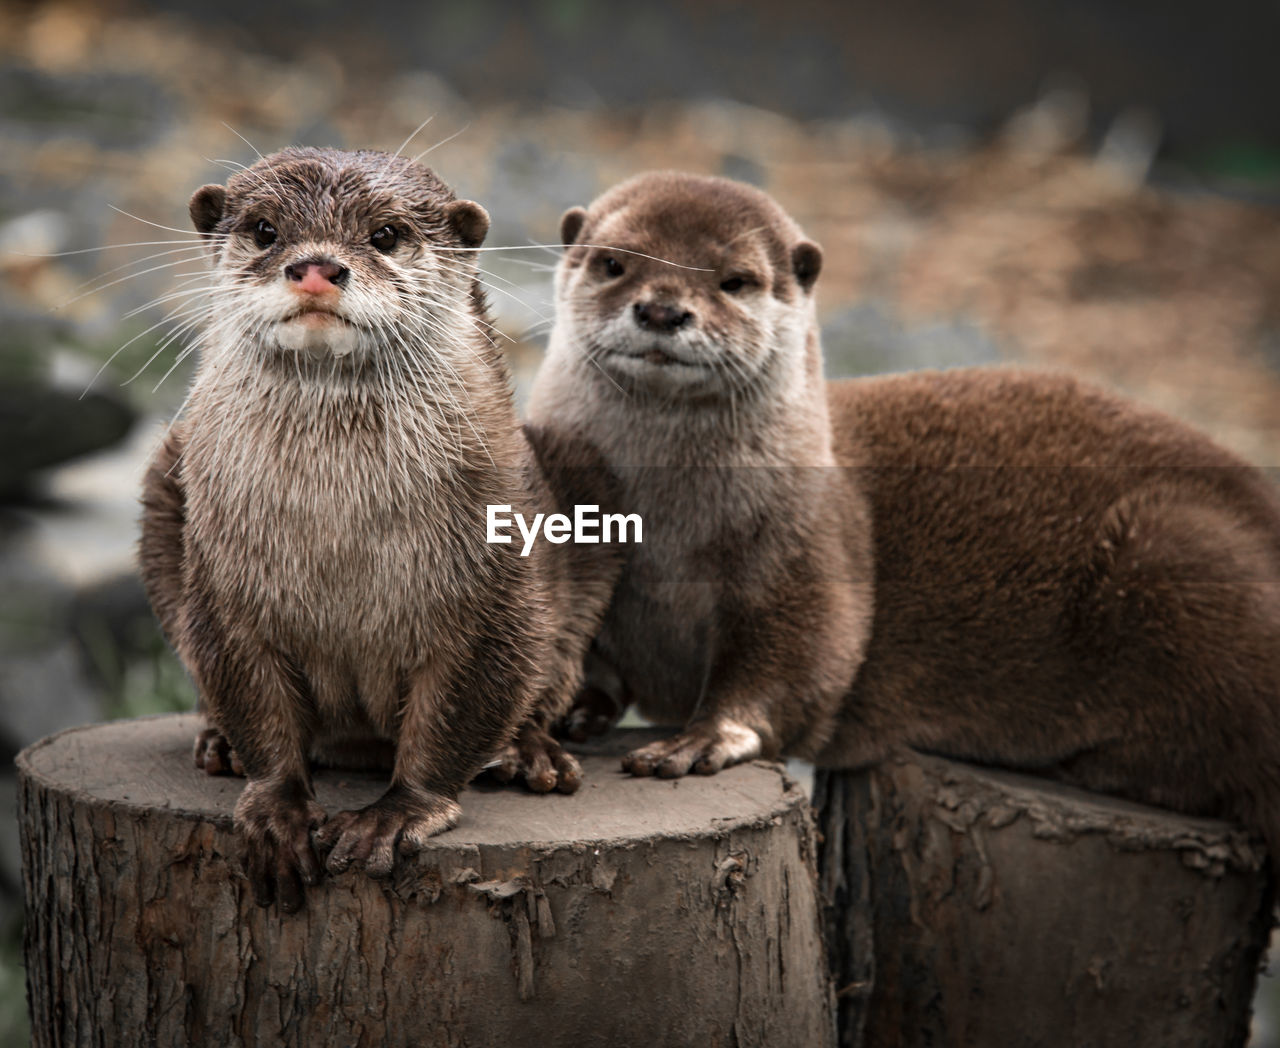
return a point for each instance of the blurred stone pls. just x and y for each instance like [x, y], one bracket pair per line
[42, 692]
[29, 239]
[573, 92]
[1269, 348]
[531, 186]
[10, 852]
[868, 339]
[34, 601]
[417, 94]
[1130, 145]
[44, 687]
[41, 427]
[59, 36]
[104, 110]
[743, 168]
[1055, 123]
[111, 620]
[87, 530]
[26, 339]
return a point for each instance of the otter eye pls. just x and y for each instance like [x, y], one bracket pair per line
[733, 285]
[264, 233]
[613, 267]
[385, 239]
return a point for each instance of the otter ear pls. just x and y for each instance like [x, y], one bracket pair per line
[571, 225]
[806, 263]
[206, 207]
[468, 220]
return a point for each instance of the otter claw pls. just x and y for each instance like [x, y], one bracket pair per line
[536, 758]
[276, 826]
[399, 821]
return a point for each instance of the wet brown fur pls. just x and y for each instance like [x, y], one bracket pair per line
[313, 533]
[1064, 582]
[1069, 583]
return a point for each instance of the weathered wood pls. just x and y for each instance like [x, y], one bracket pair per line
[634, 912]
[967, 906]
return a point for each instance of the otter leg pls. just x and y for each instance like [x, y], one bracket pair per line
[535, 756]
[161, 546]
[260, 699]
[277, 817]
[448, 730]
[732, 723]
[776, 674]
[161, 554]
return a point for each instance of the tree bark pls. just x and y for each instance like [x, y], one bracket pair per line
[634, 912]
[966, 906]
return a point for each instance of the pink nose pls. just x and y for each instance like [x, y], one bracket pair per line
[316, 276]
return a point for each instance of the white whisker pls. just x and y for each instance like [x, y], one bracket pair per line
[442, 141]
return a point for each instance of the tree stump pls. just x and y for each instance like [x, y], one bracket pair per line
[967, 906]
[638, 911]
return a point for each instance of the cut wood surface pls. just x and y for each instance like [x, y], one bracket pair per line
[967, 906]
[635, 912]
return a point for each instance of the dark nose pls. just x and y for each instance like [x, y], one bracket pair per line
[316, 274]
[655, 317]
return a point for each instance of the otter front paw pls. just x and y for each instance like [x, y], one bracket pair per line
[369, 837]
[275, 823]
[703, 748]
[213, 754]
[536, 758]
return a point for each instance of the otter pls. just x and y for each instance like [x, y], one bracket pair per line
[313, 529]
[1003, 566]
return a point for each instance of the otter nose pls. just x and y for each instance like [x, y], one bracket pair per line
[653, 316]
[316, 275]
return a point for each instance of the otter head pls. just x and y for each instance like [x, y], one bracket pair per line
[323, 254]
[686, 284]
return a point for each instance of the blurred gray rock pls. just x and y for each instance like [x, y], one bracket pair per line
[44, 687]
[743, 169]
[41, 426]
[1269, 347]
[870, 339]
[44, 691]
[531, 187]
[108, 110]
[111, 620]
[26, 339]
[10, 852]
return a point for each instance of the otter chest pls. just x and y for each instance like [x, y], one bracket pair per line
[321, 537]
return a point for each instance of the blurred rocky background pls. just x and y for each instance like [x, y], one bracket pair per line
[1074, 184]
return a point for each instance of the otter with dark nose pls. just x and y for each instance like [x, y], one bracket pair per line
[687, 350]
[1001, 566]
